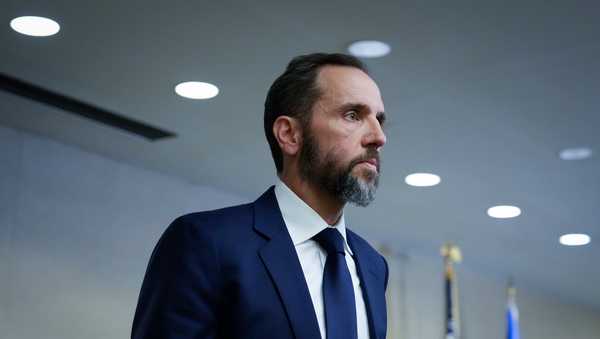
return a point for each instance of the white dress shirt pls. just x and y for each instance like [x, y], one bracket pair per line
[303, 223]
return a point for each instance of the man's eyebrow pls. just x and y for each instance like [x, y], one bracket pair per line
[354, 106]
[381, 117]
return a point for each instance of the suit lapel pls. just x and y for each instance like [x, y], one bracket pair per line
[281, 260]
[370, 285]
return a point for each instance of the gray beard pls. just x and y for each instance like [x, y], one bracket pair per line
[340, 183]
[357, 191]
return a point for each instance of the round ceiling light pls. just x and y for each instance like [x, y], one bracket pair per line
[197, 90]
[35, 26]
[504, 211]
[574, 239]
[422, 179]
[369, 49]
[578, 153]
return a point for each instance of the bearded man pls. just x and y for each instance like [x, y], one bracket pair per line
[284, 266]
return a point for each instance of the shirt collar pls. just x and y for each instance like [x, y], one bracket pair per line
[301, 220]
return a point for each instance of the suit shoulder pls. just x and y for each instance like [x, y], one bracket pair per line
[222, 216]
[209, 224]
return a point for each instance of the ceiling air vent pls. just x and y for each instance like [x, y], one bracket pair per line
[71, 105]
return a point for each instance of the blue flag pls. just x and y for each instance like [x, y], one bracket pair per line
[512, 315]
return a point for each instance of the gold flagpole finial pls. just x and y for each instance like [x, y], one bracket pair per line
[451, 253]
[511, 289]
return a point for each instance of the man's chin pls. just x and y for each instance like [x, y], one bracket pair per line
[366, 176]
[361, 192]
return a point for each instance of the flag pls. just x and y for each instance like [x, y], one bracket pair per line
[512, 314]
[451, 254]
[452, 310]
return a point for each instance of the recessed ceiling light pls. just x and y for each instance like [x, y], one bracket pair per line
[35, 25]
[574, 239]
[197, 90]
[579, 153]
[369, 49]
[504, 211]
[422, 179]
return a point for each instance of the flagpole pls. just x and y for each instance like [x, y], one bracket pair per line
[451, 255]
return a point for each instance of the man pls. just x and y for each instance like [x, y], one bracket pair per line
[284, 266]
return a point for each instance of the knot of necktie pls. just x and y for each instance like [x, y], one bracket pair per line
[331, 240]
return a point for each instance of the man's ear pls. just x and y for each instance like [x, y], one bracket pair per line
[288, 133]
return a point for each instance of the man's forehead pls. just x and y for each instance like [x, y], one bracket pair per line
[332, 74]
[339, 84]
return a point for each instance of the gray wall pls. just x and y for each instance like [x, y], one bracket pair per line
[76, 231]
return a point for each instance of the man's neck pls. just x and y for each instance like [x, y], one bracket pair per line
[328, 207]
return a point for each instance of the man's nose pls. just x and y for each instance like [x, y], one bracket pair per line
[375, 136]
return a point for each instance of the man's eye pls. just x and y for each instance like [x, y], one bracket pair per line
[352, 115]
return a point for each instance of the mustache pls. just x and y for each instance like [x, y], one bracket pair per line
[371, 154]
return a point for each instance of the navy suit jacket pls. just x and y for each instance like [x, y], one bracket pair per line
[234, 273]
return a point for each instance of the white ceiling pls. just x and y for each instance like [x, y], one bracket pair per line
[485, 94]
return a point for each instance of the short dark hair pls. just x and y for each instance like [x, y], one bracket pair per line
[295, 91]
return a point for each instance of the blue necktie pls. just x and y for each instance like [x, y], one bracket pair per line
[338, 293]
